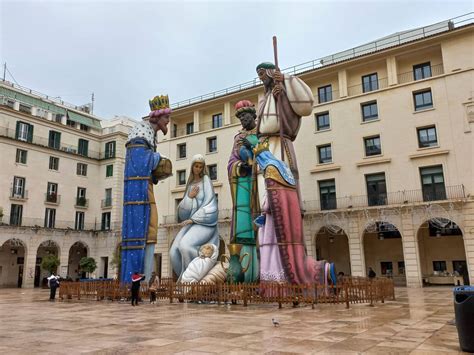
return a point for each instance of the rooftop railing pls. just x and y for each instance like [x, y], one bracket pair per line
[383, 43]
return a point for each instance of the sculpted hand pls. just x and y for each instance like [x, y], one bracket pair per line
[246, 143]
[186, 222]
[278, 76]
[276, 90]
[194, 191]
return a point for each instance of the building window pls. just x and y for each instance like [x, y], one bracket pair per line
[84, 128]
[175, 130]
[70, 123]
[81, 169]
[105, 225]
[324, 154]
[322, 121]
[49, 218]
[427, 137]
[432, 183]
[83, 148]
[81, 197]
[212, 144]
[108, 197]
[189, 127]
[422, 71]
[24, 132]
[423, 100]
[109, 170]
[54, 139]
[16, 214]
[217, 120]
[376, 189]
[327, 194]
[325, 94]
[176, 204]
[369, 111]
[372, 146]
[110, 150]
[386, 268]
[212, 171]
[21, 156]
[58, 118]
[53, 163]
[18, 187]
[52, 192]
[370, 82]
[181, 177]
[79, 223]
[439, 266]
[182, 150]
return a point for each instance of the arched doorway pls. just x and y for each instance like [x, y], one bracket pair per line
[46, 248]
[77, 251]
[12, 263]
[332, 244]
[442, 254]
[383, 251]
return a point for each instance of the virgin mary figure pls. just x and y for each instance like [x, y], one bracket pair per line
[198, 215]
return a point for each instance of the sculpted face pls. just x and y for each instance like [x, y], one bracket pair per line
[198, 168]
[247, 121]
[162, 124]
[262, 75]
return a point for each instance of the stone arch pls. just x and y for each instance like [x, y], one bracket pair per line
[382, 246]
[332, 244]
[442, 252]
[13, 253]
[77, 251]
[46, 247]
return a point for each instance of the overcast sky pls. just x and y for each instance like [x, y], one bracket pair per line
[129, 51]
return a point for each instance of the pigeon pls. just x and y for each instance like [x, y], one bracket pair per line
[275, 322]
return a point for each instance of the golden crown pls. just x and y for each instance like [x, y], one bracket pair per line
[159, 102]
[260, 147]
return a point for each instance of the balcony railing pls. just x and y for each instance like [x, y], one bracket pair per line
[106, 202]
[52, 198]
[82, 202]
[38, 223]
[44, 142]
[410, 76]
[363, 89]
[333, 95]
[19, 195]
[391, 198]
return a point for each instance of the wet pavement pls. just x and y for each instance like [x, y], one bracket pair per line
[418, 322]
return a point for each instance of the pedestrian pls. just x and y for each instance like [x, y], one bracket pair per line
[136, 278]
[372, 273]
[153, 285]
[53, 284]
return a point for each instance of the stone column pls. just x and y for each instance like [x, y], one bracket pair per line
[29, 266]
[392, 71]
[342, 78]
[196, 120]
[410, 250]
[64, 260]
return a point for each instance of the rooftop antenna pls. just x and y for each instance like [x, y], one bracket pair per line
[92, 105]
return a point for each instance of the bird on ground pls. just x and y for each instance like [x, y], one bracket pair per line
[275, 322]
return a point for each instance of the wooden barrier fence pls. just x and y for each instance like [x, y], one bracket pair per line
[348, 290]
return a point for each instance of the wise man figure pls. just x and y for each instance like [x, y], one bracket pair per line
[243, 187]
[286, 99]
[144, 167]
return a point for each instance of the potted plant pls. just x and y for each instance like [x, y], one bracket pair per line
[88, 265]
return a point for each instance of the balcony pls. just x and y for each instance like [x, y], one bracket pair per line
[52, 198]
[18, 194]
[68, 226]
[106, 203]
[366, 88]
[384, 199]
[82, 202]
[409, 76]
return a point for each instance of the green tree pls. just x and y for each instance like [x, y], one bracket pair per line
[50, 263]
[88, 264]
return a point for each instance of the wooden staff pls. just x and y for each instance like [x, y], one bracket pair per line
[275, 56]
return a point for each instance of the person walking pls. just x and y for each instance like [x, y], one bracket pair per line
[136, 279]
[53, 283]
[372, 273]
[153, 285]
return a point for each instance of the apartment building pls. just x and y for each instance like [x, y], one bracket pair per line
[61, 186]
[385, 159]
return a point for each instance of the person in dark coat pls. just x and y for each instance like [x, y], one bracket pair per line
[136, 278]
[53, 283]
[372, 273]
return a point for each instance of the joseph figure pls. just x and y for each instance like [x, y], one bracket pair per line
[144, 167]
[243, 187]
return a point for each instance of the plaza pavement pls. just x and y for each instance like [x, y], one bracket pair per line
[418, 322]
